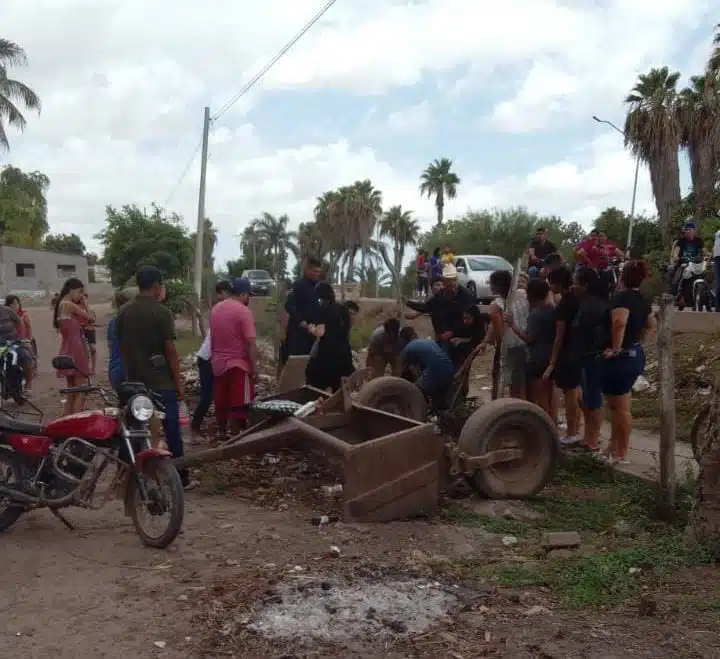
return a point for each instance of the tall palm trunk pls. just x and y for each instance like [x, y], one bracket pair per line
[665, 180]
[440, 204]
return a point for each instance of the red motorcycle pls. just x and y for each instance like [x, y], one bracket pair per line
[59, 464]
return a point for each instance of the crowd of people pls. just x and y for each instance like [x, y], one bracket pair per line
[558, 334]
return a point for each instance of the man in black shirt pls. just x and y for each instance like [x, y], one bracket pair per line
[540, 247]
[447, 307]
[301, 306]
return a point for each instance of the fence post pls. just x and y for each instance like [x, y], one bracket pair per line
[666, 374]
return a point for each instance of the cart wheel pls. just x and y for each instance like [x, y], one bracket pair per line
[511, 423]
[394, 395]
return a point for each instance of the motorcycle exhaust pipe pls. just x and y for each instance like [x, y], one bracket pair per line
[27, 499]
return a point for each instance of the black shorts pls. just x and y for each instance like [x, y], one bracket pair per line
[90, 336]
[567, 376]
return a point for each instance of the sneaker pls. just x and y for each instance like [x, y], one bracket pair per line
[609, 460]
[624, 462]
[569, 441]
[190, 485]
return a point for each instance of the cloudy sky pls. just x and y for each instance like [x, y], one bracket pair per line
[375, 90]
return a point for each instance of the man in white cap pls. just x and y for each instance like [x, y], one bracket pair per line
[446, 308]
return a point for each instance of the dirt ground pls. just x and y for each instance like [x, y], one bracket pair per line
[253, 578]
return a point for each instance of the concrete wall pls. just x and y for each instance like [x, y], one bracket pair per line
[25, 270]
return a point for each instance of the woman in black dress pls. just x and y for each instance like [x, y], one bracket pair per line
[331, 356]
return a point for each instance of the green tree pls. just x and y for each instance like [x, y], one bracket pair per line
[13, 91]
[653, 133]
[67, 243]
[23, 207]
[403, 231]
[133, 237]
[502, 232]
[439, 181]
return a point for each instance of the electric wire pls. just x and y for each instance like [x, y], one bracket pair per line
[285, 49]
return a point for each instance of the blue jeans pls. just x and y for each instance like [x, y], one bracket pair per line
[716, 270]
[534, 272]
[171, 423]
[206, 392]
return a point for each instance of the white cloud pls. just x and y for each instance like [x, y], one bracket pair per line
[411, 120]
[625, 38]
[124, 83]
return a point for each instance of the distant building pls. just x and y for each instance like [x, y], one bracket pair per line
[38, 271]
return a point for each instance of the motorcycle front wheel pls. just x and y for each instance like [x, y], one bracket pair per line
[165, 503]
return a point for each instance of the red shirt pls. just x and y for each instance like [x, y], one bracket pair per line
[420, 263]
[232, 327]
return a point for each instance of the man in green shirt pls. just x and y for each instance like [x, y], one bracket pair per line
[145, 329]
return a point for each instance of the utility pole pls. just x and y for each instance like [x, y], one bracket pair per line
[199, 242]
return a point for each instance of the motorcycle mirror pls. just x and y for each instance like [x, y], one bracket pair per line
[63, 363]
[158, 362]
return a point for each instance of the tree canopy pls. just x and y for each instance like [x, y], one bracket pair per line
[23, 207]
[134, 237]
[67, 243]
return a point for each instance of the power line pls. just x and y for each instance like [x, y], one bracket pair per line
[258, 76]
[185, 171]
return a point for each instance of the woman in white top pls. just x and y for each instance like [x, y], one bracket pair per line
[205, 373]
[513, 369]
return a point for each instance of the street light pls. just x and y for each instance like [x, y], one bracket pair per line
[635, 184]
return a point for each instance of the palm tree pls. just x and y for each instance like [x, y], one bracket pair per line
[251, 243]
[403, 231]
[653, 133]
[272, 232]
[348, 216]
[714, 61]
[698, 106]
[439, 181]
[13, 91]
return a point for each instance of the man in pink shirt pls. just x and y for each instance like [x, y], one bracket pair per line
[234, 358]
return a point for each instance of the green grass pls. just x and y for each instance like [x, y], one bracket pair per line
[591, 499]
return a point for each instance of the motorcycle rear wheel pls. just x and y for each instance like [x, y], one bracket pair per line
[164, 472]
[9, 466]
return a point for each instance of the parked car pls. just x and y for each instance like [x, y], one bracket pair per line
[261, 283]
[474, 272]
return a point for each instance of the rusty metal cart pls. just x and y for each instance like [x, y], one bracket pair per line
[393, 463]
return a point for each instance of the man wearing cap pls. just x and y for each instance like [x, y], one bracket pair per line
[447, 307]
[690, 248]
[234, 357]
[145, 329]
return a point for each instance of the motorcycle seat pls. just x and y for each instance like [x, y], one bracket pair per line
[8, 424]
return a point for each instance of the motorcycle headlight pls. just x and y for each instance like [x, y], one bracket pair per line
[141, 408]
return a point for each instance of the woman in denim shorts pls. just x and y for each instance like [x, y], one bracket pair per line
[630, 319]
